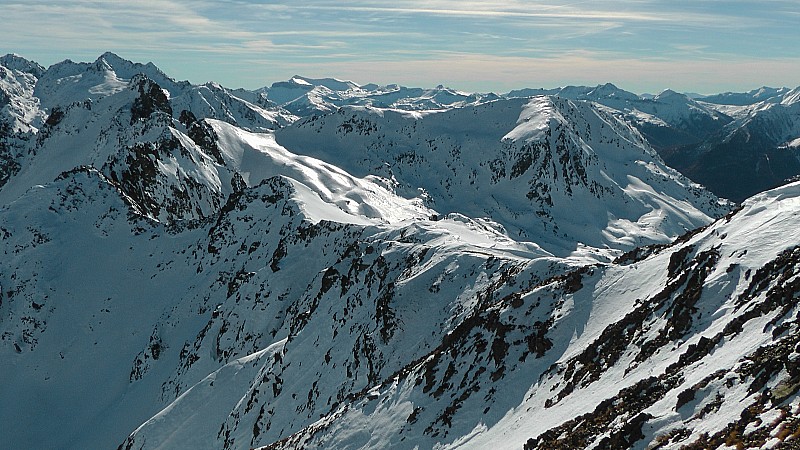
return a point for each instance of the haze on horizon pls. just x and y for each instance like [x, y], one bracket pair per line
[642, 46]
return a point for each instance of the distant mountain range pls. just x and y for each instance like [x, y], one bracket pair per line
[736, 144]
[319, 264]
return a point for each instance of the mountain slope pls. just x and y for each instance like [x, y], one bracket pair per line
[550, 170]
[694, 345]
[20, 112]
[307, 96]
[757, 151]
[667, 120]
[154, 310]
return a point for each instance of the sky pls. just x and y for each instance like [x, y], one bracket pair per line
[699, 46]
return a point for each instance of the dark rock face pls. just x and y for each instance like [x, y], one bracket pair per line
[55, 117]
[138, 173]
[151, 99]
[203, 135]
[9, 165]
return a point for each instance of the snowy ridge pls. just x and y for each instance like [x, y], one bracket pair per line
[68, 82]
[750, 154]
[20, 109]
[307, 96]
[537, 166]
[667, 109]
[257, 157]
[612, 361]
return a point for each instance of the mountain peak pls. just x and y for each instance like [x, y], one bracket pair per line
[113, 57]
[14, 61]
[670, 95]
[611, 91]
[609, 87]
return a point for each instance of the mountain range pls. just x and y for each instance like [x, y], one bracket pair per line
[320, 264]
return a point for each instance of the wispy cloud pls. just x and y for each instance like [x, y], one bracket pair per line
[469, 43]
[471, 72]
[585, 15]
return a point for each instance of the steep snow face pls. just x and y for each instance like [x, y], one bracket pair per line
[257, 157]
[20, 111]
[75, 297]
[547, 169]
[692, 344]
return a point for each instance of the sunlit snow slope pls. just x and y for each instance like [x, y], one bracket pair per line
[563, 174]
[691, 345]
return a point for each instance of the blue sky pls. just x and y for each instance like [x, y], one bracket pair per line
[701, 46]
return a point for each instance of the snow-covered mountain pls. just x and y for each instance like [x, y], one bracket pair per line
[20, 108]
[758, 150]
[692, 345]
[308, 96]
[668, 120]
[66, 82]
[20, 111]
[199, 267]
[547, 169]
[745, 98]
[736, 144]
